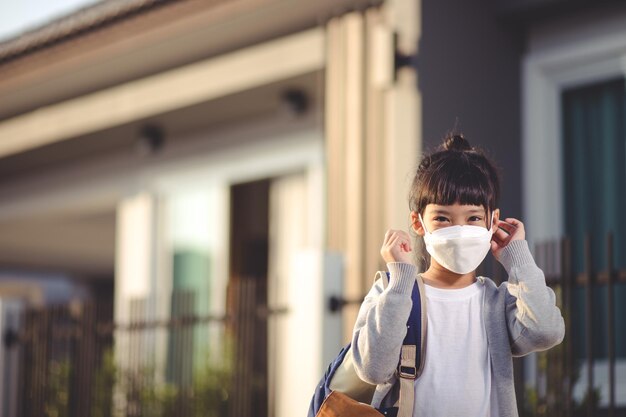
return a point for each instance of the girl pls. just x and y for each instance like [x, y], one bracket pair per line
[474, 328]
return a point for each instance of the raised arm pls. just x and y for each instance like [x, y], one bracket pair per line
[380, 327]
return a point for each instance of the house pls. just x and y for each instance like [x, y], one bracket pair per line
[253, 152]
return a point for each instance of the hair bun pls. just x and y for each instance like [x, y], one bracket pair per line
[457, 143]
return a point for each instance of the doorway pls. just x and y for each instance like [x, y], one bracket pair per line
[247, 296]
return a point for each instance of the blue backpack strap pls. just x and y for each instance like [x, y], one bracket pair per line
[414, 322]
[410, 354]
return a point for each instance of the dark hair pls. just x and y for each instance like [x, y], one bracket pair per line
[455, 173]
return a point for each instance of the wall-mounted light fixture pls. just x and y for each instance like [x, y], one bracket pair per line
[151, 140]
[295, 102]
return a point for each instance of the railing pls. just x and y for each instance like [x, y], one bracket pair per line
[558, 371]
[74, 361]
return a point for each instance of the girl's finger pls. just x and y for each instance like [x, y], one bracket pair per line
[402, 242]
[496, 238]
[501, 234]
[502, 239]
[518, 224]
[506, 223]
[403, 234]
[390, 235]
[507, 227]
[515, 222]
[393, 241]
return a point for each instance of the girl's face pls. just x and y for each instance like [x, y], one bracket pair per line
[436, 216]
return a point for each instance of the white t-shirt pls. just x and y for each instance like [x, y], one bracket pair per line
[456, 380]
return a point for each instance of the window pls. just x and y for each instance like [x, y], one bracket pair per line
[594, 181]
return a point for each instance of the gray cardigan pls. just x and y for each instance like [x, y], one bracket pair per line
[520, 317]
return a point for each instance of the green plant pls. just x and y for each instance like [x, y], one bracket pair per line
[58, 389]
[145, 395]
[104, 381]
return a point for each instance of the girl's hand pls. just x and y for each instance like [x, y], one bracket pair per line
[397, 247]
[508, 230]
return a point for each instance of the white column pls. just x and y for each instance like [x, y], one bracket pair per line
[134, 257]
[134, 281]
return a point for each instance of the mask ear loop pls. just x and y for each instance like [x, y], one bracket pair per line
[423, 224]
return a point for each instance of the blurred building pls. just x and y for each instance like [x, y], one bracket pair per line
[151, 148]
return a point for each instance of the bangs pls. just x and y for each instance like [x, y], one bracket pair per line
[458, 180]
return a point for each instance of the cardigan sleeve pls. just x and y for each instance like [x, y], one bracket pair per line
[534, 321]
[380, 327]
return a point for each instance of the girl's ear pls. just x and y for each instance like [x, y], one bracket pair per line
[416, 225]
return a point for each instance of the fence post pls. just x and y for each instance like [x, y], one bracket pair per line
[567, 277]
[589, 323]
[540, 358]
[610, 322]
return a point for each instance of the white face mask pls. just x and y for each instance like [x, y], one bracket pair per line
[459, 249]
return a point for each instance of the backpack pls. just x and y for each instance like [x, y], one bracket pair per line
[341, 393]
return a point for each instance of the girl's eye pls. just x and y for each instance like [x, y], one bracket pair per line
[440, 219]
[475, 219]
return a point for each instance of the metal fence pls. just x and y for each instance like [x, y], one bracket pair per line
[587, 299]
[74, 361]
